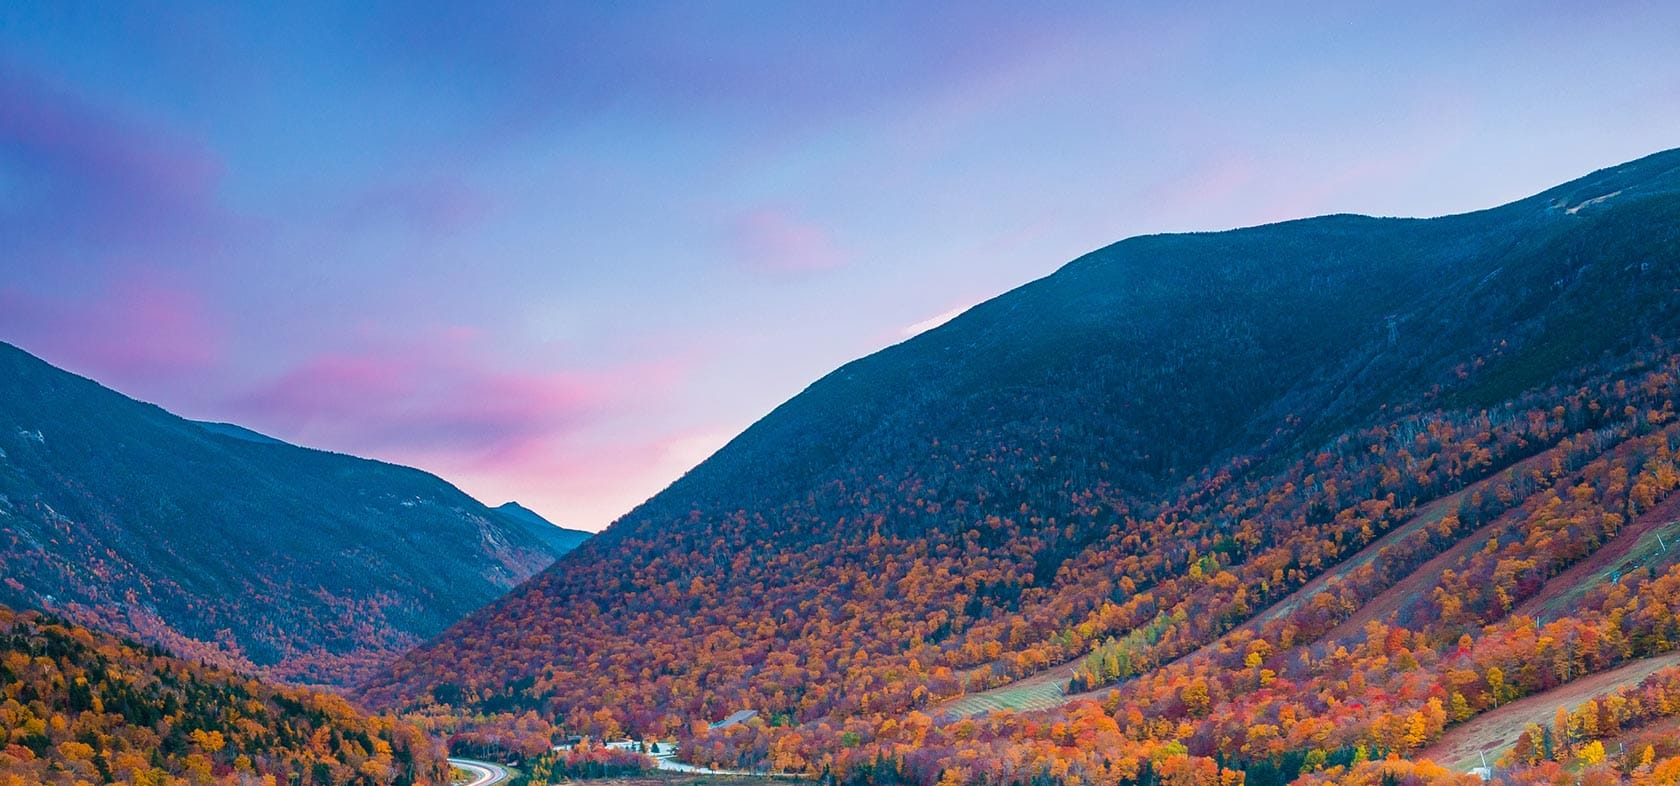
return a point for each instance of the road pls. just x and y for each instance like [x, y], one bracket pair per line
[672, 765]
[484, 773]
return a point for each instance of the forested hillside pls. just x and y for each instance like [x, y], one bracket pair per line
[1281, 502]
[79, 707]
[221, 544]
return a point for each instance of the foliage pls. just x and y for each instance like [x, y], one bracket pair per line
[582, 762]
[83, 707]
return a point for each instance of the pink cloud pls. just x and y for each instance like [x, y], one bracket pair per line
[442, 402]
[776, 240]
[104, 212]
[417, 404]
[586, 484]
[137, 329]
[335, 386]
[569, 443]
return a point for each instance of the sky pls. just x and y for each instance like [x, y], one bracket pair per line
[561, 252]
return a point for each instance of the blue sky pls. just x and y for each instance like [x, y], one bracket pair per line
[560, 252]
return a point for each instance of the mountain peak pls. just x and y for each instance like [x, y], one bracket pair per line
[559, 538]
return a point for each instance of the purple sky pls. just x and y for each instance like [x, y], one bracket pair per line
[560, 255]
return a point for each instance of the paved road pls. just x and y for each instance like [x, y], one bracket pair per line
[672, 765]
[484, 773]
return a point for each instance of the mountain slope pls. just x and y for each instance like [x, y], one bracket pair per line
[83, 707]
[1133, 455]
[237, 432]
[306, 565]
[559, 539]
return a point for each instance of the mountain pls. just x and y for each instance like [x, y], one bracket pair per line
[1170, 499]
[86, 707]
[559, 539]
[223, 545]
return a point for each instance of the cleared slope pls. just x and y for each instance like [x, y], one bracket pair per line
[1651, 542]
[1493, 733]
[1048, 689]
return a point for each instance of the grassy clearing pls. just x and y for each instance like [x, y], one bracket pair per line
[1038, 692]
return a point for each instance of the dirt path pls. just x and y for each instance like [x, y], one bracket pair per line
[1496, 731]
[1635, 546]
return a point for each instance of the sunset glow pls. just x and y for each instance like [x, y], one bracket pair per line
[561, 256]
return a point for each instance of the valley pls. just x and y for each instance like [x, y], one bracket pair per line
[1164, 516]
[839, 394]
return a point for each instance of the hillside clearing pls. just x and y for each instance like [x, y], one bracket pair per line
[1638, 545]
[1041, 691]
[1045, 689]
[1494, 732]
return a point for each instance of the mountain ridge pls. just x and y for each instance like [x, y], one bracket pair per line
[304, 565]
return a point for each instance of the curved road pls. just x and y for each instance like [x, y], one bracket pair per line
[484, 773]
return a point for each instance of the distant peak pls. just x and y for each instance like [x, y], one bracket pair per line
[516, 510]
[561, 538]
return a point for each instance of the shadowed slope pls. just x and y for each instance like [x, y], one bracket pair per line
[310, 566]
